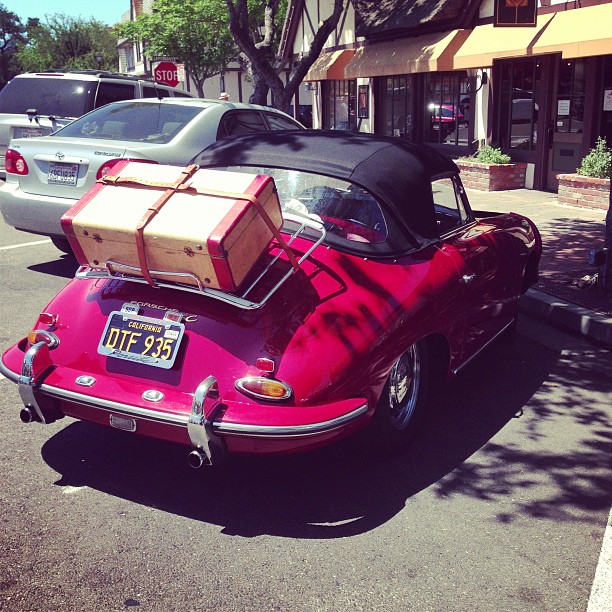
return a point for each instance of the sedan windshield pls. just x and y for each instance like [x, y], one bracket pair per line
[133, 122]
[346, 210]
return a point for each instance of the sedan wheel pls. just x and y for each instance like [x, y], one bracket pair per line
[403, 398]
[62, 244]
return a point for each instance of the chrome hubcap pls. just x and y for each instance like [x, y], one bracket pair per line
[404, 383]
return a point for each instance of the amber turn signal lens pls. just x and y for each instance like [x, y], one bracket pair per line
[40, 335]
[264, 388]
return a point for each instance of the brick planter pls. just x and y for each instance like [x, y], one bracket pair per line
[492, 177]
[585, 191]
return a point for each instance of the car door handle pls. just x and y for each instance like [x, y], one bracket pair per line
[468, 278]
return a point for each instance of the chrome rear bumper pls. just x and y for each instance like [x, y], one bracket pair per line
[204, 427]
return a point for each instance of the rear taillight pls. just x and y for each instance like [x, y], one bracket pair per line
[15, 164]
[106, 168]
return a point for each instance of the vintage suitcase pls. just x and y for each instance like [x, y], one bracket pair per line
[168, 223]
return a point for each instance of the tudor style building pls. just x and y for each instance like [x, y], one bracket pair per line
[456, 73]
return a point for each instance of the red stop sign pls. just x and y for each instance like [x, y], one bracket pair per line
[166, 72]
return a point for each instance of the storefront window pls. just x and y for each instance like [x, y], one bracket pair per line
[446, 108]
[395, 106]
[605, 119]
[519, 105]
[339, 105]
[570, 97]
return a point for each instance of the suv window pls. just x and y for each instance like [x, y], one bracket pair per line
[154, 92]
[49, 96]
[112, 92]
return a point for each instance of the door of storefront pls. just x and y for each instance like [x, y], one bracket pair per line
[522, 101]
[568, 123]
[605, 115]
[339, 105]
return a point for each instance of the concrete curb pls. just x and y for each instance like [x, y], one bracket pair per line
[573, 318]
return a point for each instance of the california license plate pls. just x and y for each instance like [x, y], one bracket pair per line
[139, 339]
[62, 174]
[29, 132]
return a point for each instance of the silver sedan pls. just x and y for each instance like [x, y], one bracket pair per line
[46, 176]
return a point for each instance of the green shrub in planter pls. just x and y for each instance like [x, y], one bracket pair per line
[491, 155]
[488, 155]
[598, 161]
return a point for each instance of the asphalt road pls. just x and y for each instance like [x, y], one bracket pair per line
[501, 503]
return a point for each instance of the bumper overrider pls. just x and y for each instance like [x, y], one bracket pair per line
[212, 427]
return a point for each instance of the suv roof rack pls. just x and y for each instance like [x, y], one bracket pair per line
[102, 73]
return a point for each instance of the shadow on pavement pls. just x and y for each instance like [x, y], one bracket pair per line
[64, 266]
[347, 489]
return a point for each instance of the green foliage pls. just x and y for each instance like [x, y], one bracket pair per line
[598, 161]
[68, 43]
[491, 155]
[12, 34]
[193, 32]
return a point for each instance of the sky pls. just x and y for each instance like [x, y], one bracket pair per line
[107, 11]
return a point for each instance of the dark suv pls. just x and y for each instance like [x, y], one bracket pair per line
[37, 104]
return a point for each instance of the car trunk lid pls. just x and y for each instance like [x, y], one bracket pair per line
[65, 167]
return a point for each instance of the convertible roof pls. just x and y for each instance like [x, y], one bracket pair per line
[397, 172]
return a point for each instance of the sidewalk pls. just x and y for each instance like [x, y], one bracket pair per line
[563, 296]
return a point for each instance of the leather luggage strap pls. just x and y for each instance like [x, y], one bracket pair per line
[264, 214]
[185, 175]
[182, 185]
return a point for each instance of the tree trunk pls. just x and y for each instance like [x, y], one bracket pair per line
[260, 91]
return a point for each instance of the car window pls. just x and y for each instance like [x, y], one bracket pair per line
[450, 209]
[136, 121]
[113, 92]
[347, 210]
[241, 122]
[278, 122]
[149, 91]
[48, 95]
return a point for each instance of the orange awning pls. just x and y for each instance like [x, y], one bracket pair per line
[579, 32]
[487, 43]
[330, 66]
[430, 53]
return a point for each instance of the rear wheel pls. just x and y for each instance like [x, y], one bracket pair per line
[61, 243]
[404, 397]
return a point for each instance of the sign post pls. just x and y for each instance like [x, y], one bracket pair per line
[167, 73]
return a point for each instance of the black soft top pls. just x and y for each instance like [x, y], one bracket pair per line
[396, 172]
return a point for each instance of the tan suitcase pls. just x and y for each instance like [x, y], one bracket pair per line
[165, 222]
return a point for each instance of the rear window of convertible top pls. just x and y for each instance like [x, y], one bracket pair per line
[347, 210]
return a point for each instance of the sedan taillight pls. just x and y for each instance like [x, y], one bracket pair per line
[111, 163]
[15, 164]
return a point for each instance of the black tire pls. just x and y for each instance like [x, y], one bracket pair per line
[404, 398]
[62, 244]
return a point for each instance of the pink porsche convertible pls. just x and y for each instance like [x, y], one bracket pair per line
[381, 281]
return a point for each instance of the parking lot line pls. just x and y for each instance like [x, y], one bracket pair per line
[25, 244]
[601, 592]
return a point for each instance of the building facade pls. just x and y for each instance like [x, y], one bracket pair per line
[132, 60]
[447, 73]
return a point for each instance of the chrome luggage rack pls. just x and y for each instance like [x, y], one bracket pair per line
[133, 273]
